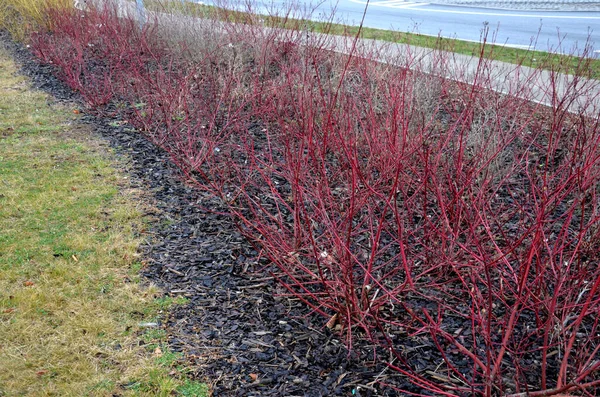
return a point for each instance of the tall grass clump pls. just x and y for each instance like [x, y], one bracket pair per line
[21, 17]
[397, 203]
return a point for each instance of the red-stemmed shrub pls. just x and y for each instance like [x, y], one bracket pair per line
[400, 205]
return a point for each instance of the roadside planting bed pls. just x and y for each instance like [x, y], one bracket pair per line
[451, 229]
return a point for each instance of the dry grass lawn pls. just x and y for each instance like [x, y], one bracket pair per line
[71, 302]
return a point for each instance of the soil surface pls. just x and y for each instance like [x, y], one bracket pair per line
[239, 332]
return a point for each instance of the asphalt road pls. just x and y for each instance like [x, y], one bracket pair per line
[547, 30]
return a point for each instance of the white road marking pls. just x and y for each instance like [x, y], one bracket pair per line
[519, 46]
[492, 14]
[501, 44]
[383, 3]
[397, 4]
[409, 5]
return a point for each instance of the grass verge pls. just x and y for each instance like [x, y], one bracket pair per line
[72, 306]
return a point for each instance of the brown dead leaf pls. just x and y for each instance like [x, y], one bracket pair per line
[158, 352]
[41, 373]
[332, 321]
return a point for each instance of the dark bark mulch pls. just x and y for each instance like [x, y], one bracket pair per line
[238, 332]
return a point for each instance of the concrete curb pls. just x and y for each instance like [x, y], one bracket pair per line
[525, 5]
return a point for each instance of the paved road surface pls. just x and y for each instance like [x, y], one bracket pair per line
[518, 28]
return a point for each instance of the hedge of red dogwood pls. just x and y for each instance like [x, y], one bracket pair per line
[397, 204]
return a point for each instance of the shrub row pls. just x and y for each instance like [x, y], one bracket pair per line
[397, 204]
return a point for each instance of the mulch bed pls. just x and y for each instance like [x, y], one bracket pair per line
[238, 332]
